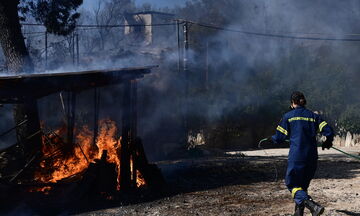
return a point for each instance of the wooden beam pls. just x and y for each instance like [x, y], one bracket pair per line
[40, 85]
[133, 132]
[125, 173]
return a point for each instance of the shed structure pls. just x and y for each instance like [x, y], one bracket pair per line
[31, 87]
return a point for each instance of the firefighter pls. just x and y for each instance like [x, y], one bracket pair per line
[301, 126]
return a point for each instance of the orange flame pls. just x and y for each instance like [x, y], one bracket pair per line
[77, 159]
[140, 181]
[44, 190]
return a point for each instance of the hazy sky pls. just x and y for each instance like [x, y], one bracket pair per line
[156, 3]
[162, 3]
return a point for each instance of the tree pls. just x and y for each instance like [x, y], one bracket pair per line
[111, 13]
[59, 17]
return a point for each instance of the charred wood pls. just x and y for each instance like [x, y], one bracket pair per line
[125, 172]
[151, 173]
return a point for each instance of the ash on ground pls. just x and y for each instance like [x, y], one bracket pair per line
[248, 183]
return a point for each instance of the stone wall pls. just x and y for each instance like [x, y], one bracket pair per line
[349, 140]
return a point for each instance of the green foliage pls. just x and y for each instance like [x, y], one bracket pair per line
[59, 16]
[251, 79]
[349, 119]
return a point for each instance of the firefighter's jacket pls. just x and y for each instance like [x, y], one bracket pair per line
[301, 127]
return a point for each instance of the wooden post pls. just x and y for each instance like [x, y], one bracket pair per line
[71, 117]
[96, 114]
[32, 126]
[134, 130]
[125, 173]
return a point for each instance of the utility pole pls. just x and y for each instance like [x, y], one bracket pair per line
[207, 67]
[186, 78]
[179, 45]
[266, 20]
[73, 47]
[77, 50]
[186, 48]
[46, 50]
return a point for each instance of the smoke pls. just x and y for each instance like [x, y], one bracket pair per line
[249, 77]
[236, 82]
[161, 3]
[296, 62]
[265, 70]
[241, 83]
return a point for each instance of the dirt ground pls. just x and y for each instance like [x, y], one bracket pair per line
[249, 183]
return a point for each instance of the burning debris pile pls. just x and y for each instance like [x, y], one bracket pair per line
[84, 163]
[61, 162]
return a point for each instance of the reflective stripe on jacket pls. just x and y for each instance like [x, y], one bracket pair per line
[301, 127]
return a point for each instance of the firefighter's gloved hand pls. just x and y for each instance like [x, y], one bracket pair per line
[328, 143]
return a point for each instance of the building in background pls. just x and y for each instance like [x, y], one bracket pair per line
[145, 30]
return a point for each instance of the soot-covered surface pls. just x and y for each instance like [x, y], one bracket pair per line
[13, 89]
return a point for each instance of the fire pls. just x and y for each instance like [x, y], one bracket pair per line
[69, 162]
[44, 190]
[140, 181]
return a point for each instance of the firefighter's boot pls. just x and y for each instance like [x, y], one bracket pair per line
[314, 207]
[299, 209]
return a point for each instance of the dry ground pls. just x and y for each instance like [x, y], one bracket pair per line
[249, 185]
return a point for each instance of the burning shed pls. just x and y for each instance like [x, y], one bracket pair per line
[72, 154]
